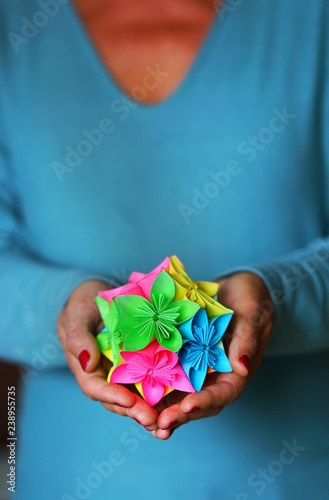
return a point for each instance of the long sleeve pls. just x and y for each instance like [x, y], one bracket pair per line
[299, 287]
[299, 281]
[32, 292]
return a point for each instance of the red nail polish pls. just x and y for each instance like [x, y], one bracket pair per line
[84, 358]
[172, 424]
[245, 361]
[140, 423]
[194, 409]
[122, 406]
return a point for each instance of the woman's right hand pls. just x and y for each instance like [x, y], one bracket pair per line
[77, 326]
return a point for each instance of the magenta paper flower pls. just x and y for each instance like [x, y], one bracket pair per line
[129, 289]
[145, 281]
[156, 368]
[139, 284]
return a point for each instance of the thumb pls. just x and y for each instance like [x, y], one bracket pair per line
[75, 331]
[243, 346]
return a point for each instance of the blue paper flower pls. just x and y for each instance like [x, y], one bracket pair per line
[202, 346]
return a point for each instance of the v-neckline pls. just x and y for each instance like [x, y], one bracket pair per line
[106, 72]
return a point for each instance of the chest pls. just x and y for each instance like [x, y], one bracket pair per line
[130, 38]
[162, 182]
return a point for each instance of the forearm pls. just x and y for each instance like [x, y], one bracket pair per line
[299, 288]
[32, 295]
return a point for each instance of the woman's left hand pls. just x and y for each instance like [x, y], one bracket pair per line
[248, 333]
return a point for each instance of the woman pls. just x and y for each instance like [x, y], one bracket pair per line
[132, 131]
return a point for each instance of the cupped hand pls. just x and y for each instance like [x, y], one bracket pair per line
[246, 339]
[77, 326]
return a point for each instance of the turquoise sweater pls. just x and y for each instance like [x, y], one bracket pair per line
[231, 172]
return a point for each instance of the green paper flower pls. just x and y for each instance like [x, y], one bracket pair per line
[141, 321]
[111, 337]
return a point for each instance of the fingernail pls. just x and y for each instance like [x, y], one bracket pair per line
[194, 409]
[172, 424]
[140, 423]
[245, 361]
[122, 406]
[84, 358]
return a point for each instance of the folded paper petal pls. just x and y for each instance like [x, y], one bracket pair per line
[109, 345]
[145, 281]
[208, 287]
[220, 325]
[109, 313]
[200, 292]
[202, 348]
[163, 290]
[141, 320]
[140, 390]
[152, 390]
[181, 382]
[197, 377]
[164, 358]
[129, 289]
[137, 339]
[135, 277]
[185, 329]
[214, 308]
[104, 340]
[152, 349]
[146, 285]
[221, 363]
[129, 305]
[110, 338]
[121, 375]
[156, 368]
[187, 309]
[173, 343]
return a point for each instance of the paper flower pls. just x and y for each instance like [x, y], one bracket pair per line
[110, 338]
[201, 292]
[129, 289]
[142, 320]
[202, 347]
[145, 281]
[135, 276]
[156, 368]
[139, 284]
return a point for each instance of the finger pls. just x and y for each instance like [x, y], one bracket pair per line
[95, 386]
[152, 427]
[208, 402]
[166, 433]
[114, 397]
[243, 346]
[81, 321]
[141, 412]
[163, 434]
[174, 416]
[144, 414]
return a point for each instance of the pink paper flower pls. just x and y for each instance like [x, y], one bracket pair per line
[145, 281]
[156, 368]
[129, 289]
[139, 284]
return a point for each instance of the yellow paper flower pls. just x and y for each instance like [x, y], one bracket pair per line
[201, 292]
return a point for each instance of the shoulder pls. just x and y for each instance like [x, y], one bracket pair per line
[21, 21]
